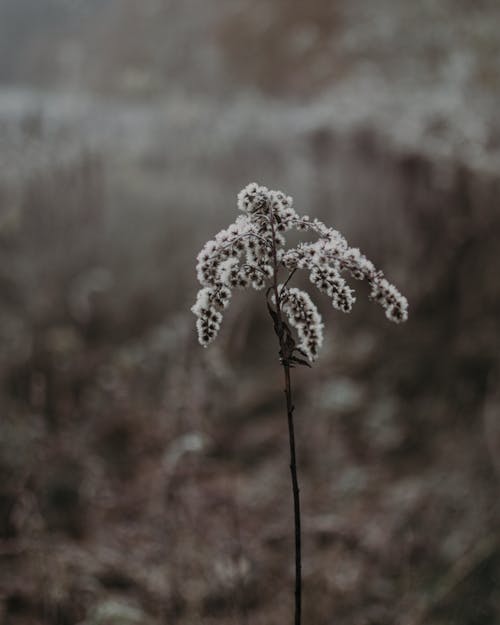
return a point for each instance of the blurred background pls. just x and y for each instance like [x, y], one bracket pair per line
[144, 480]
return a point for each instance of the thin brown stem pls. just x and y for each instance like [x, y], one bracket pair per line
[287, 280]
[275, 287]
[296, 496]
[291, 433]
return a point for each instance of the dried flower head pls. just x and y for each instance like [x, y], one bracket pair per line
[251, 252]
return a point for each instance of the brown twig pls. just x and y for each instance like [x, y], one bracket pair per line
[286, 352]
[288, 280]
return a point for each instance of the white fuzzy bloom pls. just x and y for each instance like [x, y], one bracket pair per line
[252, 249]
[252, 198]
[387, 295]
[303, 315]
[328, 280]
[209, 318]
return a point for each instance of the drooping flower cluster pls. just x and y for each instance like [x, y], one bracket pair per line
[251, 252]
[304, 317]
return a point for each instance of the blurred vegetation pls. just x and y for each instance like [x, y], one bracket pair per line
[145, 480]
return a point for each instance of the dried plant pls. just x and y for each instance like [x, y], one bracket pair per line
[252, 252]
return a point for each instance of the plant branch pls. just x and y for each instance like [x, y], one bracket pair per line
[238, 238]
[288, 280]
[254, 268]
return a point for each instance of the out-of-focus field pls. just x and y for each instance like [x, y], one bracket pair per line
[143, 479]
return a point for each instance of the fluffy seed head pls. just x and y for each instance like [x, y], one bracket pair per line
[251, 252]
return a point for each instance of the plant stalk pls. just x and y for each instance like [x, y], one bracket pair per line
[279, 327]
[296, 497]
